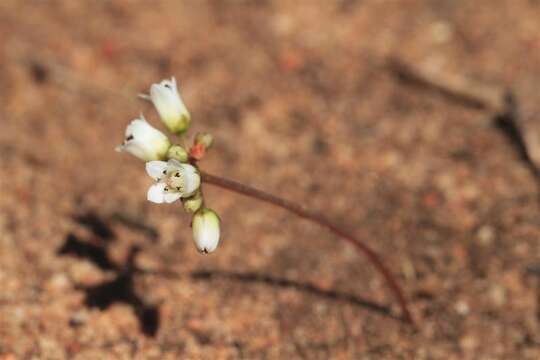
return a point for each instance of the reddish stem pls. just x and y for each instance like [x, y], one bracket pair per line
[302, 212]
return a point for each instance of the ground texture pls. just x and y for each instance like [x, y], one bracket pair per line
[303, 104]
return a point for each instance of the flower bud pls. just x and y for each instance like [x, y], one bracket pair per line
[206, 232]
[177, 152]
[170, 106]
[193, 203]
[205, 139]
[144, 141]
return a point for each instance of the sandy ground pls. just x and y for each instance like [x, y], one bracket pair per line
[302, 104]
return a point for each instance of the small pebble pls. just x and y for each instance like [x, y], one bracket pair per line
[462, 308]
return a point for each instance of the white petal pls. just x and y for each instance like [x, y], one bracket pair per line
[171, 196]
[192, 179]
[137, 125]
[156, 169]
[174, 165]
[137, 149]
[166, 102]
[156, 193]
[140, 129]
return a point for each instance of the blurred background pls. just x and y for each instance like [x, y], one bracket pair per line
[409, 122]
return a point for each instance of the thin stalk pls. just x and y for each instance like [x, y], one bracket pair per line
[302, 212]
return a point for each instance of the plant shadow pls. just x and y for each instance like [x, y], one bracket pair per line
[121, 288]
[284, 283]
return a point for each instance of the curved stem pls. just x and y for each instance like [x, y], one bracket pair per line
[321, 220]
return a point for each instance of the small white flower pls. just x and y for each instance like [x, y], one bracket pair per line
[144, 141]
[169, 105]
[174, 180]
[206, 231]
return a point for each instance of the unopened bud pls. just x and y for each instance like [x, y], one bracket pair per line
[204, 139]
[193, 203]
[177, 152]
[206, 230]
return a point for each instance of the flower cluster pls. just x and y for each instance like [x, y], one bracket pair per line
[172, 167]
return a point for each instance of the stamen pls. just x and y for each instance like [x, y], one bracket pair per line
[175, 181]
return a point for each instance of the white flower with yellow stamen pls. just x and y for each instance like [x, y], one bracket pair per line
[206, 232]
[144, 141]
[169, 105]
[174, 180]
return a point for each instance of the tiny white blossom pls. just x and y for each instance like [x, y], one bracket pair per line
[174, 180]
[169, 105]
[144, 141]
[206, 232]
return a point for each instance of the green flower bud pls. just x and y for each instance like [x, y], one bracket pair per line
[177, 152]
[193, 203]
